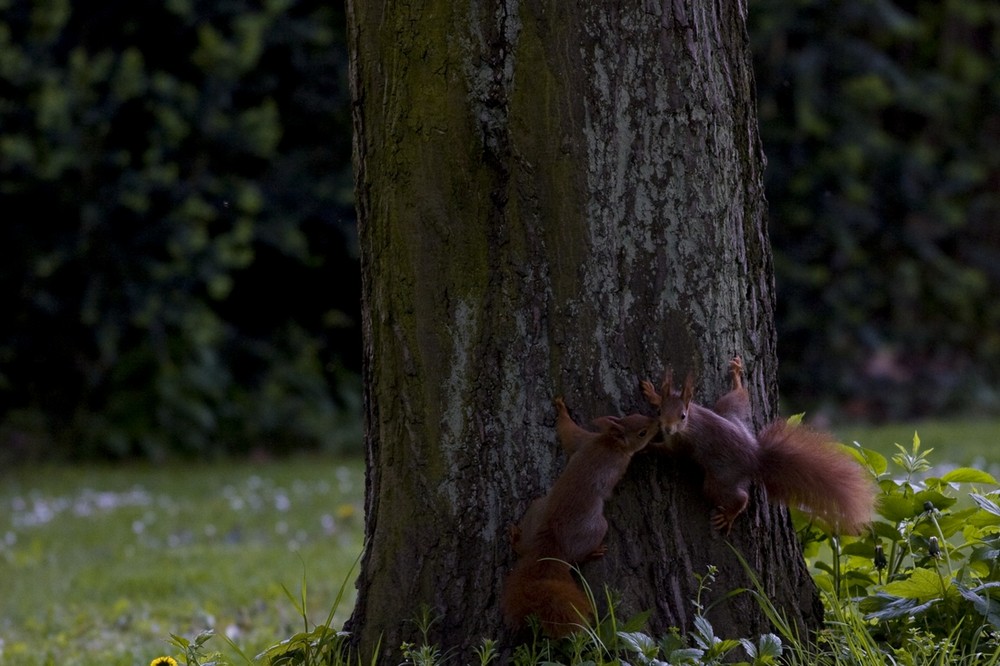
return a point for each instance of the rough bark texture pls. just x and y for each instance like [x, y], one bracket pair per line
[554, 199]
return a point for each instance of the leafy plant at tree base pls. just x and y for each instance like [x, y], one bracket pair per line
[615, 642]
[924, 578]
[922, 586]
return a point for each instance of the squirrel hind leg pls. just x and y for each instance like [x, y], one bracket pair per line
[734, 406]
[728, 505]
[723, 519]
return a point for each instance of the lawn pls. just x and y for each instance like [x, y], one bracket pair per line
[99, 565]
[974, 442]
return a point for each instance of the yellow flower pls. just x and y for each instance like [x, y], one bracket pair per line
[163, 661]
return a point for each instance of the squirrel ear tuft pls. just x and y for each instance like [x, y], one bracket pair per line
[688, 391]
[668, 383]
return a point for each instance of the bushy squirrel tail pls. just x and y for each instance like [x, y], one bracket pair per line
[804, 467]
[546, 589]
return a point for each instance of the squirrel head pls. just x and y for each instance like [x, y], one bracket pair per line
[632, 432]
[674, 407]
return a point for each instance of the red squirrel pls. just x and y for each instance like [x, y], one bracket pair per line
[797, 465]
[567, 526]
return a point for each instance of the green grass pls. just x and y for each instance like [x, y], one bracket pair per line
[98, 565]
[961, 442]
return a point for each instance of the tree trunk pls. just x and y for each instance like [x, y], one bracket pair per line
[553, 199]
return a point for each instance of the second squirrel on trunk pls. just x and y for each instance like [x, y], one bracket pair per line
[797, 466]
[566, 526]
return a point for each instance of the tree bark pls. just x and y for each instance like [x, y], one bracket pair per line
[553, 199]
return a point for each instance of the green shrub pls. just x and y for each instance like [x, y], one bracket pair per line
[177, 255]
[879, 120]
[925, 577]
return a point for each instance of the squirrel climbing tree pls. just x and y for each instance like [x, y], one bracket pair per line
[553, 198]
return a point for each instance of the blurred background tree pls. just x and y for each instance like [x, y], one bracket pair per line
[178, 261]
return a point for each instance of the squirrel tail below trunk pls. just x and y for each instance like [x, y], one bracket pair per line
[546, 589]
[804, 467]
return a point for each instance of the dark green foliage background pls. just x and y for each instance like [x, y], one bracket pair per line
[178, 269]
[178, 272]
[881, 124]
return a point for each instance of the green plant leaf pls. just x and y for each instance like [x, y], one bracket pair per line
[897, 508]
[922, 584]
[686, 656]
[968, 475]
[987, 607]
[769, 645]
[637, 622]
[986, 504]
[884, 530]
[953, 523]
[873, 459]
[638, 642]
[939, 501]
[704, 634]
[883, 606]
[749, 648]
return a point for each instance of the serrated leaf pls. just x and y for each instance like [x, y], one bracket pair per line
[869, 458]
[723, 646]
[637, 642]
[690, 655]
[896, 508]
[968, 475]
[922, 584]
[886, 607]
[703, 630]
[940, 502]
[884, 530]
[769, 645]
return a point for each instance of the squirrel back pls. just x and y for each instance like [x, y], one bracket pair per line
[573, 524]
[567, 525]
[796, 465]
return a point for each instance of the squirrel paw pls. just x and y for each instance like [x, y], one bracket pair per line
[721, 521]
[649, 391]
[736, 371]
[598, 552]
